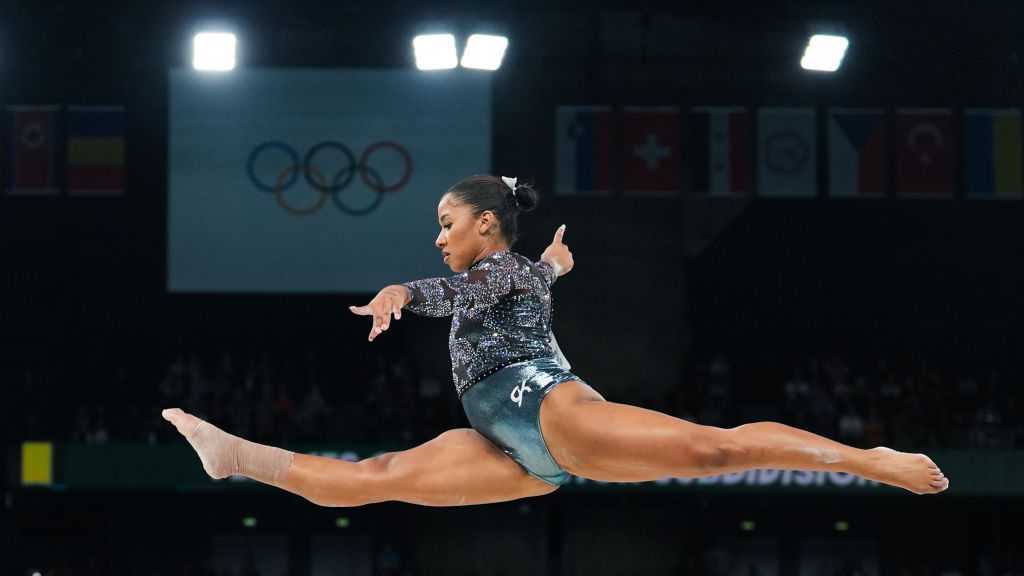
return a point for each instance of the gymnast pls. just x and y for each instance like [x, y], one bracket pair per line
[534, 423]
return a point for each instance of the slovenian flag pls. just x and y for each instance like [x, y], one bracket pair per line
[33, 149]
[95, 150]
[992, 153]
[719, 150]
[857, 161]
[582, 150]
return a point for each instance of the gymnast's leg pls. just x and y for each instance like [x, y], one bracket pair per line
[459, 467]
[602, 440]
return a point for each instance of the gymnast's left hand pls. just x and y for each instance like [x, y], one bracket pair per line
[557, 254]
[387, 303]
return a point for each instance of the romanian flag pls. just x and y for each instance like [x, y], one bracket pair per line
[33, 149]
[95, 150]
[992, 153]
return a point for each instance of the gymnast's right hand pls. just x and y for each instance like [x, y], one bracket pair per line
[387, 303]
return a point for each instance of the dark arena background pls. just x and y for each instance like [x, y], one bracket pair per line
[754, 240]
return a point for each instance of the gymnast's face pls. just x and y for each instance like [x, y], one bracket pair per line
[464, 237]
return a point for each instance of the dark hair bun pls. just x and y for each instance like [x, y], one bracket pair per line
[526, 197]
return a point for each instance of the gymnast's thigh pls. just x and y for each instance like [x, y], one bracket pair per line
[459, 467]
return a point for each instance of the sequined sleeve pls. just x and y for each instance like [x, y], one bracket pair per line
[548, 271]
[436, 296]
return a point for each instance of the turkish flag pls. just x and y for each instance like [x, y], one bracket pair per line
[926, 155]
[651, 151]
[32, 150]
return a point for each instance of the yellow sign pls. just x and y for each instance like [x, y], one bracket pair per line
[37, 464]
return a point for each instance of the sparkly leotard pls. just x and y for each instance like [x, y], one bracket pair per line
[501, 314]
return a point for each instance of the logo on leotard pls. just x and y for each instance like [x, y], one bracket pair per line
[517, 393]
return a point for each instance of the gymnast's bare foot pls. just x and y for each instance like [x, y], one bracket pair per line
[217, 449]
[914, 472]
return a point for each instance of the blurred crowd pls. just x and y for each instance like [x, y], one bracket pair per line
[315, 395]
[281, 398]
[909, 404]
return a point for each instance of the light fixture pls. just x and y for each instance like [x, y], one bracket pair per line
[213, 51]
[435, 51]
[484, 52]
[824, 53]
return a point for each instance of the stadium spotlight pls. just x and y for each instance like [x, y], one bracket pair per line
[824, 53]
[484, 52]
[435, 51]
[213, 51]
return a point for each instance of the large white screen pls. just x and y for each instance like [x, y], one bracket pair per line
[239, 181]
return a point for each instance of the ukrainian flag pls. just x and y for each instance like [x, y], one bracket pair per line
[992, 153]
[95, 150]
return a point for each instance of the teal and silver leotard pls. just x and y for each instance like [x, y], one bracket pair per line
[505, 358]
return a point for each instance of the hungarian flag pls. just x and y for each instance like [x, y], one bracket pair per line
[787, 152]
[651, 163]
[856, 147]
[95, 151]
[925, 152]
[582, 150]
[718, 150]
[33, 148]
[992, 153]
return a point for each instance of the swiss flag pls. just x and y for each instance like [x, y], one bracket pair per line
[651, 151]
[926, 153]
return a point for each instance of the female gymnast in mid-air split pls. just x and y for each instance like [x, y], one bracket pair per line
[534, 422]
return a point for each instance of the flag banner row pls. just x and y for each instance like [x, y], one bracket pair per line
[79, 149]
[734, 151]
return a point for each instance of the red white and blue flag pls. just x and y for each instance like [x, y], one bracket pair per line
[719, 150]
[856, 149]
[582, 150]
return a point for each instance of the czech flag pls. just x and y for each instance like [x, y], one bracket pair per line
[857, 160]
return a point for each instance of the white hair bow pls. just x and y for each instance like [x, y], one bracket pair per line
[510, 182]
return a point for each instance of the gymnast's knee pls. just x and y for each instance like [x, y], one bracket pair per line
[719, 449]
[374, 474]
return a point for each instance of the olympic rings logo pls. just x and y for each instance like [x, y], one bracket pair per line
[338, 183]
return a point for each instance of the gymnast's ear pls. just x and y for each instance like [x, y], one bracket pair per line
[488, 223]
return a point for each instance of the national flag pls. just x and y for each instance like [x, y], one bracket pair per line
[992, 153]
[718, 150]
[787, 152]
[95, 150]
[651, 152]
[33, 150]
[856, 147]
[582, 150]
[925, 159]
